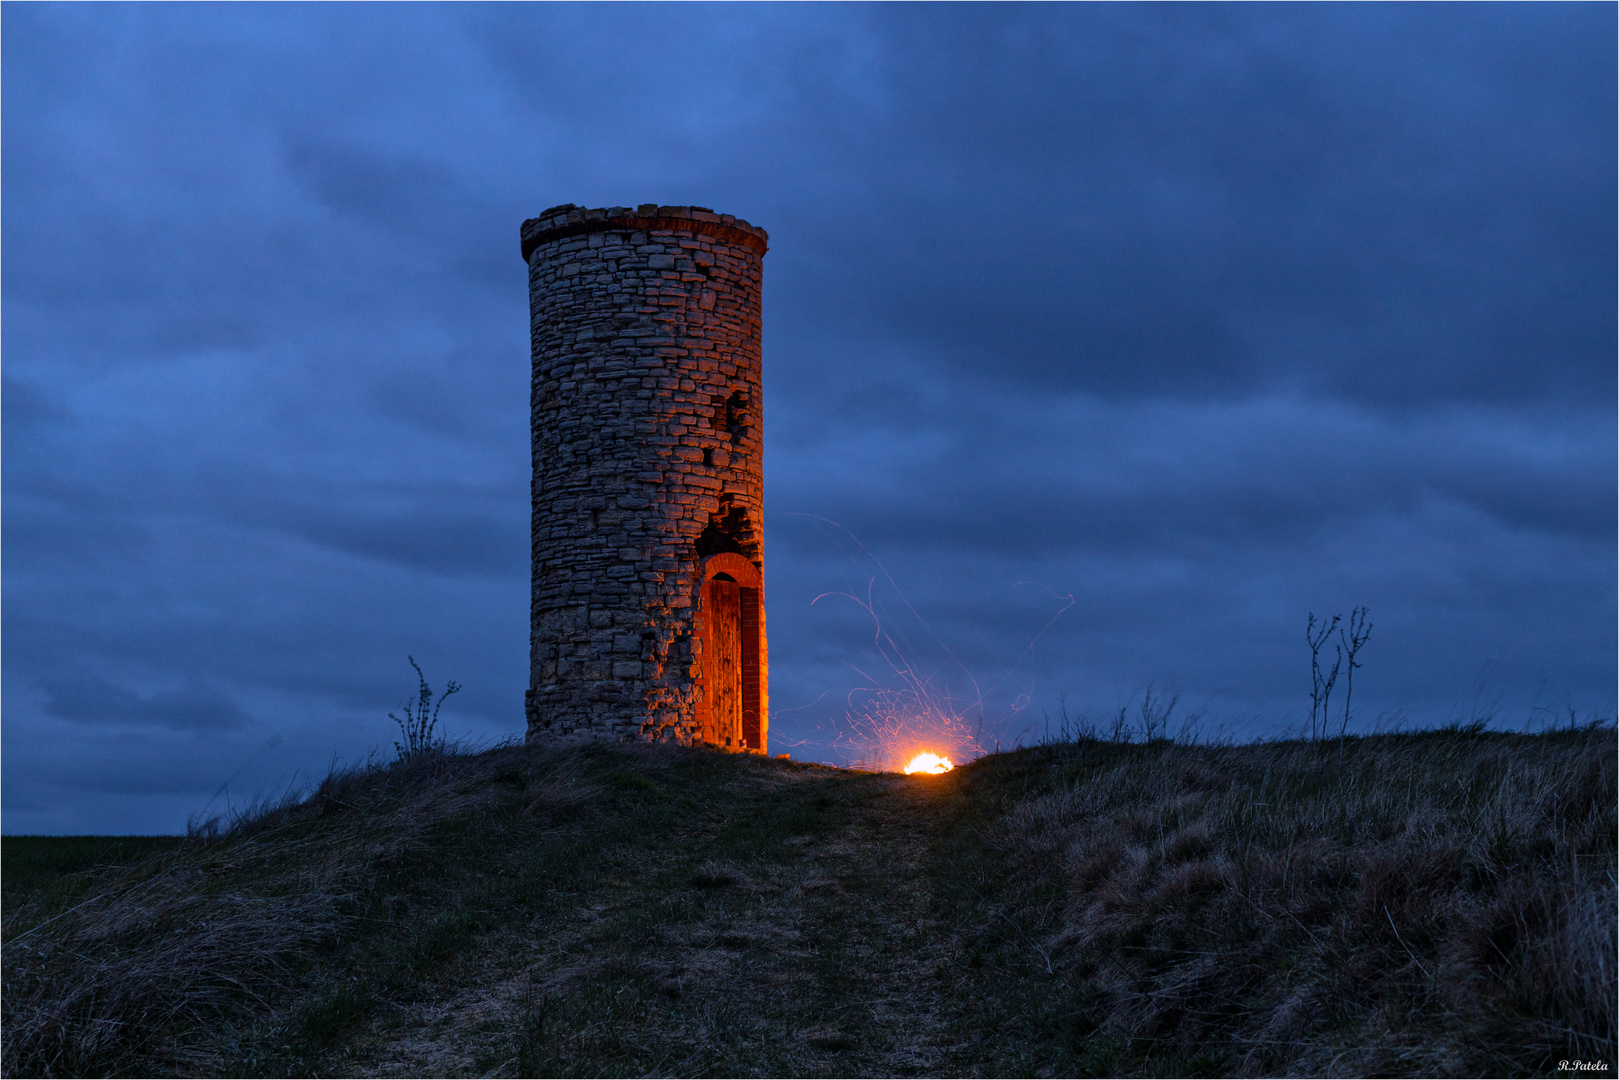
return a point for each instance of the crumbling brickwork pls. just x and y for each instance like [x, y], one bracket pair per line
[648, 485]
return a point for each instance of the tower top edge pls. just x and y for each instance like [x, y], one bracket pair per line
[560, 222]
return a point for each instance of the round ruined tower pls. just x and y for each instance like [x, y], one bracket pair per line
[647, 609]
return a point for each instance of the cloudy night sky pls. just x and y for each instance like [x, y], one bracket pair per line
[1102, 345]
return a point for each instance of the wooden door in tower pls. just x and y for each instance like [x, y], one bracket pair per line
[725, 662]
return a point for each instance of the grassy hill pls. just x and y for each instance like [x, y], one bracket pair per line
[1433, 904]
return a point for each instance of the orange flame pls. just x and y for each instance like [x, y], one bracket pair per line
[928, 763]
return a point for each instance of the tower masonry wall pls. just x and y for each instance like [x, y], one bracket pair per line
[647, 458]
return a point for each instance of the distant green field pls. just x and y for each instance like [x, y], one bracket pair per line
[31, 866]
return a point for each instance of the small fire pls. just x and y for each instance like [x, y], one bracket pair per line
[928, 763]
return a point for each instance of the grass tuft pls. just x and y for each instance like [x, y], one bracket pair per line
[1438, 904]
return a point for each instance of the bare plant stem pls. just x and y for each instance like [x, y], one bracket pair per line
[1321, 685]
[1359, 630]
[421, 716]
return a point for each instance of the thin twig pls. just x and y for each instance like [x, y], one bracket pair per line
[53, 918]
[1403, 945]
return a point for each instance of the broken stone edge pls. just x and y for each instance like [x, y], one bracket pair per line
[561, 222]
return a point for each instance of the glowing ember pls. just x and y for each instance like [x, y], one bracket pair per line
[928, 763]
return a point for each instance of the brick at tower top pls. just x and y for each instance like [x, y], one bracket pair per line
[647, 606]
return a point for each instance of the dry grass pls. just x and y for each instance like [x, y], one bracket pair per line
[132, 966]
[1439, 904]
[589, 911]
[1430, 904]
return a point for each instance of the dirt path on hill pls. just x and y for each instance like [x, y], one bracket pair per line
[788, 929]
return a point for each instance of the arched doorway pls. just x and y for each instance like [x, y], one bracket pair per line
[732, 668]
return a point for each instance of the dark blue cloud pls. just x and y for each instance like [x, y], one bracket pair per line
[92, 700]
[1114, 338]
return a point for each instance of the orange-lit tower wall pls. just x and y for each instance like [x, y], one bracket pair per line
[647, 606]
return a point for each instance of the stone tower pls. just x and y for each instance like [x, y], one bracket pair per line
[647, 610]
